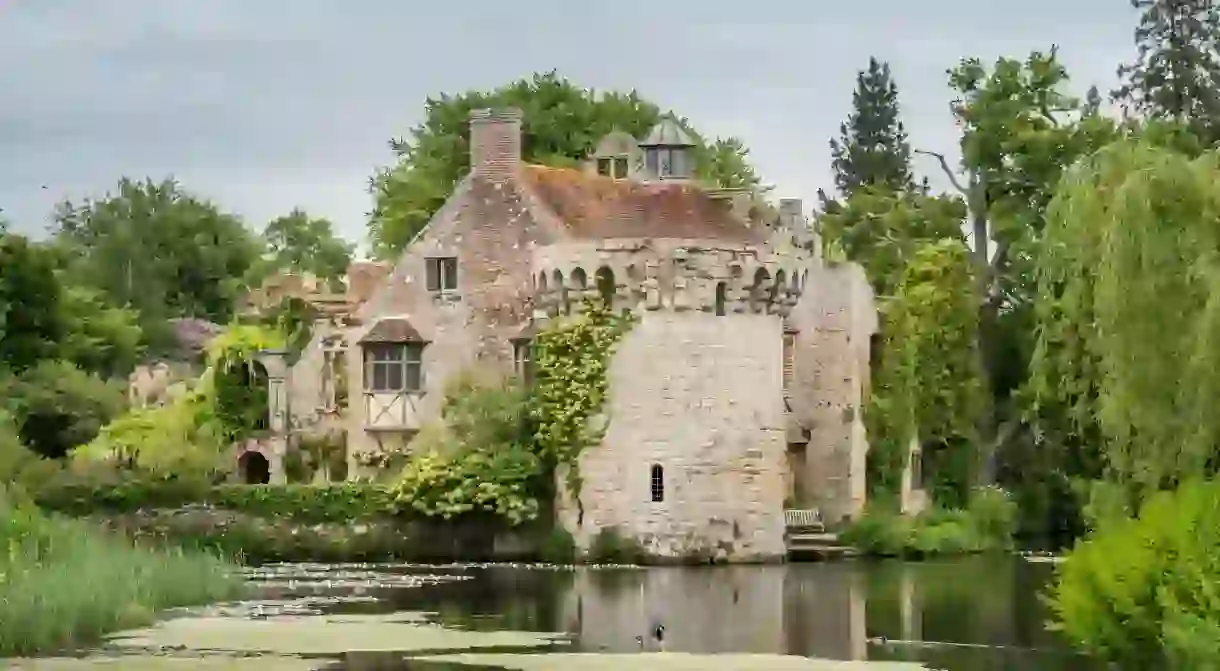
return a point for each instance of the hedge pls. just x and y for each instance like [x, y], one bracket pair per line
[309, 504]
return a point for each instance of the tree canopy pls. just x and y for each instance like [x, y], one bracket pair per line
[300, 243]
[872, 147]
[158, 249]
[561, 125]
[1176, 73]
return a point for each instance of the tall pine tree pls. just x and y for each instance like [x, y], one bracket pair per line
[872, 147]
[1177, 72]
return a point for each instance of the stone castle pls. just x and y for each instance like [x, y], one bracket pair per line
[737, 394]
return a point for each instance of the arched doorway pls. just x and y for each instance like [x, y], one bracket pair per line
[254, 468]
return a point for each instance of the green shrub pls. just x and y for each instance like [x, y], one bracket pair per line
[559, 547]
[610, 546]
[986, 525]
[63, 582]
[305, 503]
[478, 460]
[1141, 592]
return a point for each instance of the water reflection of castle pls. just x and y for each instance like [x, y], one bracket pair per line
[825, 610]
[815, 611]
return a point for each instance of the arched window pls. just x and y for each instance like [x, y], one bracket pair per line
[761, 290]
[557, 280]
[780, 280]
[657, 480]
[721, 292]
[605, 285]
[579, 279]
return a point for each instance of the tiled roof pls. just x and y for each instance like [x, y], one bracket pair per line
[392, 330]
[593, 206]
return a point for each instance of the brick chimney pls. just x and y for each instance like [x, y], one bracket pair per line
[495, 142]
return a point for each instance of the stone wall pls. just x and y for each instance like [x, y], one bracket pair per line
[834, 321]
[699, 396]
[488, 226]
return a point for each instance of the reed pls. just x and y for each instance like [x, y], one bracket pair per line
[65, 583]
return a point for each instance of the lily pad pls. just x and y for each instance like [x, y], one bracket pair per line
[321, 635]
[161, 663]
[664, 661]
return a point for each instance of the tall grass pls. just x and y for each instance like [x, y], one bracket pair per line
[65, 582]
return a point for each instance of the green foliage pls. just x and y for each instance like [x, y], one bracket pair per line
[157, 249]
[58, 406]
[872, 148]
[99, 338]
[307, 504]
[294, 318]
[928, 387]
[479, 461]
[1129, 314]
[986, 524]
[1178, 65]
[1141, 593]
[559, 547]
[31, 324]
[571, 384]
[610, 546]
[299, 243]
[238, 390]
[118, 583]
[561, 126]
[880, 229]
[192, 433]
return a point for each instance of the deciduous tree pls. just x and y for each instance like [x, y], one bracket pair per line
[562, 123]
[158, 249]
[301, 243]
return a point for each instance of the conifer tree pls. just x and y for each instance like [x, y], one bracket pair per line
[872, 148]
[1176, 74]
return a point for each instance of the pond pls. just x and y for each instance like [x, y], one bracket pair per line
[970, 614]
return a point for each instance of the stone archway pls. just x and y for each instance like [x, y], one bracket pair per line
[255, 469]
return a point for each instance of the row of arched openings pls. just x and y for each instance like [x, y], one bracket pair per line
[763, 290]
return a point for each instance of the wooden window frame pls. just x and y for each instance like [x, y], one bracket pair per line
[400, 367]
[441, 274]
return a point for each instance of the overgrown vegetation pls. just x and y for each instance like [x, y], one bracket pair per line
[191, 434]
[1141, 592]
[498, 445]
[64, 582]
[571, 384]
[985, 523]
[477, 458]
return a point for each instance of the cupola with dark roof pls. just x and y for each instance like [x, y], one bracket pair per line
[667, 151]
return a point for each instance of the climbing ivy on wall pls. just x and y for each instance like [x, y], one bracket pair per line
[188, 436]
[1129, 313]
[572, 359]
[239, 384]
[928, 384]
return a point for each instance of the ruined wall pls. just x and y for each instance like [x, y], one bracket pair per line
[835, 319]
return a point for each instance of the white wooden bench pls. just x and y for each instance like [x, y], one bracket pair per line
[803, 520]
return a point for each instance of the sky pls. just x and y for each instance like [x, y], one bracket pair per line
[267, 105]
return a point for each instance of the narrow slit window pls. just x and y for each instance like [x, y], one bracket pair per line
[721, 291]
[658, 483]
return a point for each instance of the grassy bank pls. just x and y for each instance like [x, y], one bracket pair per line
[64, 582]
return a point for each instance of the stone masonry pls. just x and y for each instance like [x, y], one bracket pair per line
[745, 372]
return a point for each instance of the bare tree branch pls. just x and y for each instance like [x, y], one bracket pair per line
[944, 165]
